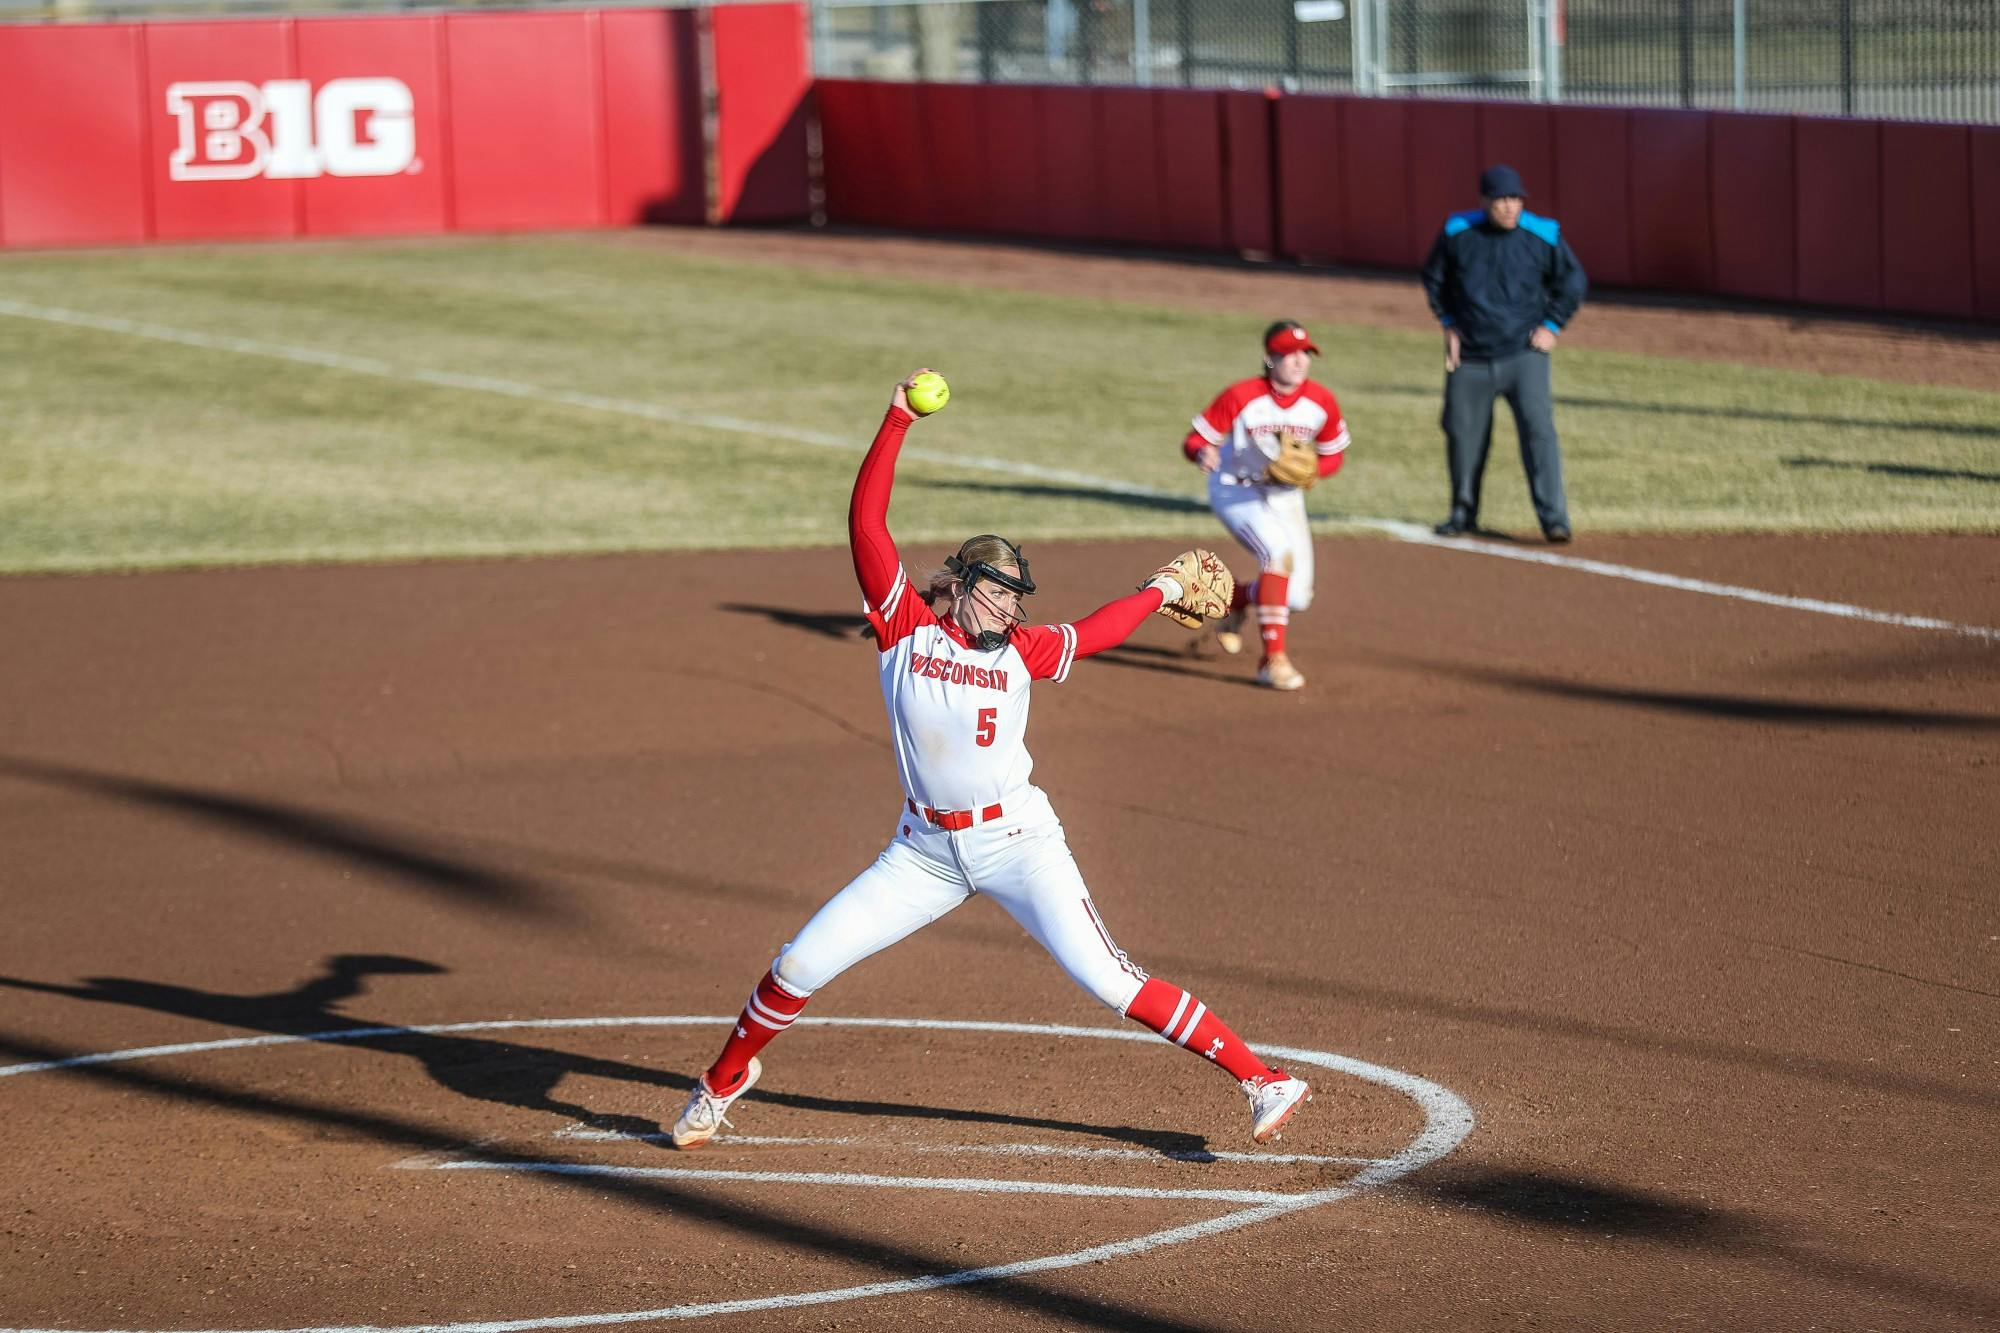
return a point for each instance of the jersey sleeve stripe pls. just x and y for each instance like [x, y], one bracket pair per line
[888, 606]
[1208, 432]
[1068, 653]
[1336, 444]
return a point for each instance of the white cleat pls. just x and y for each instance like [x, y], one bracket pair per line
[1278, 673]
[706, 1112]
[1229, 633]
[1272, 1102]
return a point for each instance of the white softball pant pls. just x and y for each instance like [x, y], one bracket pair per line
[1270, 521]
[1021, 861]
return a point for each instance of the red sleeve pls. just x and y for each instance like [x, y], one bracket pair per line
[900, 614]
[1212, 426]
[876, 565]
[1050, 649]
[1332, 436]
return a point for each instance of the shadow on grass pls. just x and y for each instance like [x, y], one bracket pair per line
[1049, 490]
[1911, 470]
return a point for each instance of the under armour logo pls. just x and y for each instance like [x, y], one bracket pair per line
[1213, 1047]
[741, 1033]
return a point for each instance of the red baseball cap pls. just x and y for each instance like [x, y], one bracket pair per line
[1289, 337]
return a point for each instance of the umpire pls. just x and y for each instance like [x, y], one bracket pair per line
[1503, 283]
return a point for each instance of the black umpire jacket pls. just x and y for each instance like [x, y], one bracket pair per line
[1495, 286]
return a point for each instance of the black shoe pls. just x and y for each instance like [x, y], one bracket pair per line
[1557, 535]
[1456, 526]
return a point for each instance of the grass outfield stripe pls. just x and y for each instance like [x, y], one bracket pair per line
[1407, 532]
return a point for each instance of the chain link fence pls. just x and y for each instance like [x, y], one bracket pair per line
[1896, 59]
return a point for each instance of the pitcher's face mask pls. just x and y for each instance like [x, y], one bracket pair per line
[990, 606]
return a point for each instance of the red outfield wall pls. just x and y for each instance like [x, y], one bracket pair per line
[1885, 215]
[338, 127]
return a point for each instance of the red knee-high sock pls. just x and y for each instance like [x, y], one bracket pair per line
[770, 1011]
[1242, 595]
[1185, 1021]
[1272, 612]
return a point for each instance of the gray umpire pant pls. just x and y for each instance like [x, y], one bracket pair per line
[1523, 380]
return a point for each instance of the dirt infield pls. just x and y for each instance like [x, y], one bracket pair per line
[1690, 901]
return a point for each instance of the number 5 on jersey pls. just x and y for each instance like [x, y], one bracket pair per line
[988, 718]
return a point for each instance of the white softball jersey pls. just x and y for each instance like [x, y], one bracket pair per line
[958, 717]
[1244, 420]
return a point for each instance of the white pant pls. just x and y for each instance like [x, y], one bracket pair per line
[1270, 521]
[1020, 860]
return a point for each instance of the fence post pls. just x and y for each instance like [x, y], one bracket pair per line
[1687, 52]
[1846, 57]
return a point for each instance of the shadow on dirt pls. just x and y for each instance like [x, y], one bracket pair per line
[1729, 707]
[375, 846]
[509, 1072]
[1617, 1213]
[654, 1197]
[826, 624]
[1177, 662]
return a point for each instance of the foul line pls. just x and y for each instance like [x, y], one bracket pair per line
[1408, 532]
[1447, 1121]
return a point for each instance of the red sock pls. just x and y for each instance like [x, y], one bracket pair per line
[770, 1011]
[1272, 612]
[1185, 1021]
[1242, 595]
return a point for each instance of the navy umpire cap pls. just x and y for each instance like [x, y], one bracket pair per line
[1501, 182]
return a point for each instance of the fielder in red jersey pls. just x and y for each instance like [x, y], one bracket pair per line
[1235, 441]
[956, 688]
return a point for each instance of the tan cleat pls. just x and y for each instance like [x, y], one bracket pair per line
[705, 1113]
[1278, 673]
[1272, 1102]
[1229, 633]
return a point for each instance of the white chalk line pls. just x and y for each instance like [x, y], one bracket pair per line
[580, 1133]
[1402, 531]
[860, 1180]
[1447, 1121]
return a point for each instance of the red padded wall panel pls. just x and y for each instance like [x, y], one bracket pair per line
[1444, 168]
[1839, 211]
[954, 185]
[1927, 218]
[410, 52]
[1752, 192]
[1250, 213]
[653, 165]
[1673, 244]
[73, 161]
[870, 150]
[1070, 173]
[1521, 135]
[220, 70]
[1593, 180]
[1011, 137]
[1191, 180]
[763, 79]
[1985, 149]
[527, 120]
[1129, 197]
[1374, 179]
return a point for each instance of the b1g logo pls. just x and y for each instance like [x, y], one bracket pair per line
[282, 130]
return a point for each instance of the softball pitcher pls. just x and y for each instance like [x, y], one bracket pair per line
[970, 821]
[1264, 442]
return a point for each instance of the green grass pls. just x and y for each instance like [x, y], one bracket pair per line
[125, 452]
